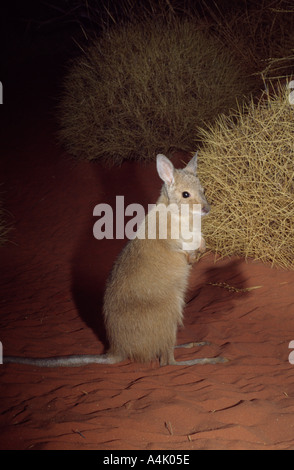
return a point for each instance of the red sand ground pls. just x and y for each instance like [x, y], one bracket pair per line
[52, 279]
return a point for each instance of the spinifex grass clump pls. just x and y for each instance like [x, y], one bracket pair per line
[247, 166]
[261, 34]
[142, 88]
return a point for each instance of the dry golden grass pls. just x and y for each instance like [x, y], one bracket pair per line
[247, 168]
[142, 88]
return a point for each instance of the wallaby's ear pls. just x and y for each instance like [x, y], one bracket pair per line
[165, 169]
[192, 165]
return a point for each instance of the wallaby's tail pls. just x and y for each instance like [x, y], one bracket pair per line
[62, 361]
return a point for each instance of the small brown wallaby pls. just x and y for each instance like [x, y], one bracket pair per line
[144, 296]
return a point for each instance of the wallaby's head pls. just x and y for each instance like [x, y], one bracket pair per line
[182, 186]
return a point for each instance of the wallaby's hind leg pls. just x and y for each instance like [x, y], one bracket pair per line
[203, 360]
[169, 359]
[192, 344]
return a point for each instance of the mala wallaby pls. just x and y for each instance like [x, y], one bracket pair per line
[144, 296]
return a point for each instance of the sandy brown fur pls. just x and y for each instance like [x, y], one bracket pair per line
[145, 293]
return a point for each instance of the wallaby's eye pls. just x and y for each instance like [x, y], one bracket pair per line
[186, 194]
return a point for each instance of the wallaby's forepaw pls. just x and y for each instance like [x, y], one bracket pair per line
[202, 246]
[193, 256]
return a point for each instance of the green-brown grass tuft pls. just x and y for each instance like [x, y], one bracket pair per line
[142, 88]
[247, 168]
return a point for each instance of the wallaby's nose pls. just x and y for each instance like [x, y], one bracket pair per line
[205, 209]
